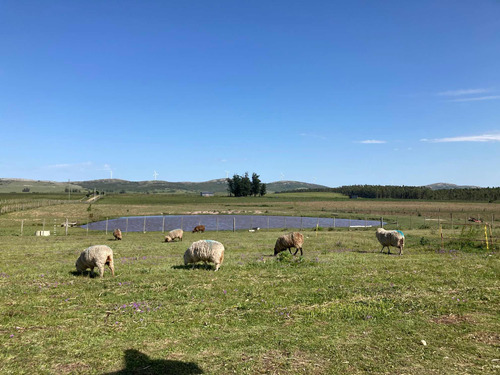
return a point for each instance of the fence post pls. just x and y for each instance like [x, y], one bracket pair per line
[301, 223]
[144, 225]
[334, 222]
[268, 223]
[163, 224]
[381, 221]
[234, 224]
[182, 222]
[22, 226]
[126, 225]
[217, 223]
[66, 225]
[106, 225]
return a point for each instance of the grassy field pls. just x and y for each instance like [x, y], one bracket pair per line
[342, 308]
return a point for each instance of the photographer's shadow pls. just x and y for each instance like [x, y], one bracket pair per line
[138, 363]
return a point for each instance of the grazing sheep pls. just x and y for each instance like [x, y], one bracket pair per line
[173, 234]
[287, 241]
[205, 251]
[118, 234]
[388, 238]
[96, 256]
[199, 228]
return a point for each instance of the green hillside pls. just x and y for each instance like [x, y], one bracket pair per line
[218, 186]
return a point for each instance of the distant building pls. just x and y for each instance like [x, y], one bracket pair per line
[207, 194]
[353, 196]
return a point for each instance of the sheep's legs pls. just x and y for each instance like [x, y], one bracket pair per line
[296, 251]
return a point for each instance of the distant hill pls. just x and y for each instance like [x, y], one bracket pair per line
[445, 186]
[218, 186]
[215, 186]
[19, 185]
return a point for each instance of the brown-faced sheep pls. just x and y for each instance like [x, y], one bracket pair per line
[173, 234]
[117, 233]
[199, 228]
[205, 251]
[388, 238]
[96, 256]
[287, 241]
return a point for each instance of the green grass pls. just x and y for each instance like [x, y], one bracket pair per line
[342, 308]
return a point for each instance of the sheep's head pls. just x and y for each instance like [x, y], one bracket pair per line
[79, 265]
[168, 238]
[277, 250]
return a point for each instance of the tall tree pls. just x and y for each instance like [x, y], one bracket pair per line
[246, 185]
[255, 189]
[263, 190]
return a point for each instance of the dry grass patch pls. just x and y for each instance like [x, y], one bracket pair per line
[285, 362]
[453, 319]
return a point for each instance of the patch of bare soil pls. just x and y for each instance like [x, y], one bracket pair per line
[453, 319]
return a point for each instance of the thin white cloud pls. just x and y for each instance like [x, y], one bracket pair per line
[463, 92]
[473, 138]
[372, 141]
[478, 98]
[309, 135]
[66, 165]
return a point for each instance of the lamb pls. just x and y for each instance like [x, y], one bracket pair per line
[96, 256]
[205, 251]
[173, 234]
[287, 241]
[117, 233]
[390, 238]
[199, 228]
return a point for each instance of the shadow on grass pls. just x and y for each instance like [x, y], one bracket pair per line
[139, 363]
[86, 273]
[196, 266]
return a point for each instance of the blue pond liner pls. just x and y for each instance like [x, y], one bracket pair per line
[223, 222]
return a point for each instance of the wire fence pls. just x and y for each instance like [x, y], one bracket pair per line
[452, 230]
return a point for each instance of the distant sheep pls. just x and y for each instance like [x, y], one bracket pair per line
[173, 234]
[388, 238]
[117, 233]
[287, 241]
[199, 228]
[205, 251]
[96, 256]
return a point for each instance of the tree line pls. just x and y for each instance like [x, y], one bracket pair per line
[415, 192]
[243, 186]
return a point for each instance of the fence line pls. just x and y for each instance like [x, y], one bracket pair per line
[20, 205]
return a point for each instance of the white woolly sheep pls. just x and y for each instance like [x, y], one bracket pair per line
[287, 241]
[173, 234]
[388, 238]
[205, 251]
[96, 256]
[117, 233]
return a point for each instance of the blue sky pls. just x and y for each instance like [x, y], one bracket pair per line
[331, 92]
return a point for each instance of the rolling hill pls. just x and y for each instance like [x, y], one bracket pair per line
[218, 186]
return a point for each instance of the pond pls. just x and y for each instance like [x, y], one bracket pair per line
[223, 222]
